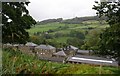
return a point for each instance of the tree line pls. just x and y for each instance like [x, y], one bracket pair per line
[76, 20]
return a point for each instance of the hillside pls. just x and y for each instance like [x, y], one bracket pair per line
[76, 20]
[77, 23]
[57, 33]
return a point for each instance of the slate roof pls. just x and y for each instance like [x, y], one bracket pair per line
[8, 44]
[84, 51]
[72, 47]
[60, 53]
[92, 60]
[16, 45]
[30, 44]
[45, 47]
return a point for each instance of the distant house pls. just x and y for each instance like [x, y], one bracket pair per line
[70, 47]
[7, 45]
[70, 50]
[45, 49]
[91, 60]
[16, 46]
[60, 54]
[31, 45]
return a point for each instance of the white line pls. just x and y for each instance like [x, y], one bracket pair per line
[92, 60]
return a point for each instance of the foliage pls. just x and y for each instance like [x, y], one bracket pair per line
[77, 34]
[92, 39]
[110, 42]
[110, 38]
[36, 39]
[75, 42]
[111, 10]
[15, 20]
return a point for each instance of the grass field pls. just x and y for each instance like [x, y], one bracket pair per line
[15, 62]
[52, 26]
[41, 28]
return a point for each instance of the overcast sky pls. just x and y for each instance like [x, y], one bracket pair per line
[49, 9]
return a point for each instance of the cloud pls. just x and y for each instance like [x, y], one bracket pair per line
[45, 9]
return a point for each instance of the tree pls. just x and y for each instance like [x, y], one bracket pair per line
[35, 39]
[92, 39]
[78, 34]
[75, 42]
[15, 20]
[109, 43]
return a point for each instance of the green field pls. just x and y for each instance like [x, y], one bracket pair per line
[60, 39]
[56, 25]
[65, 29]
[41, 28]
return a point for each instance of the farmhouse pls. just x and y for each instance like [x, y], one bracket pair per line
[70, 47]
[70, 50]
[16, 46]
[45, 49]
[31, 45]
[60, 54]
[7, 45]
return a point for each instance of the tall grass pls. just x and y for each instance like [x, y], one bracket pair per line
[15, 62]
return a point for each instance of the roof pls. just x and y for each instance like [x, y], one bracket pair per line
[52, 59]
[92, 60]
[30, 44]
[83, 51]
[16, 45]
[8, 44]
[91, 57]
[72, 47]
[60, 53]
[45, 47]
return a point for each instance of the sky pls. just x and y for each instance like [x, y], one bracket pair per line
[66, 9]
